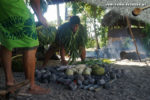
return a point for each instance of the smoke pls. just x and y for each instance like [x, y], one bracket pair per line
[113, 49]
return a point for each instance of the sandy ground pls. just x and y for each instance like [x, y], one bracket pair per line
[134, 85]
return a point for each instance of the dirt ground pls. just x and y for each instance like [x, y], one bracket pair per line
[134, 85]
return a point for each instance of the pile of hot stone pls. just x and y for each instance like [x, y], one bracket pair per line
[80, 76]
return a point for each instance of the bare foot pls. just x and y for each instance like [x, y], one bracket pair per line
[38, 90]
[10, 84]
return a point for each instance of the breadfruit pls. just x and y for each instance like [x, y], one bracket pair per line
[97, 70]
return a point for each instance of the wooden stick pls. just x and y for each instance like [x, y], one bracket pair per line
[145, 7]
[130, 30]
[16, 56]
[14, 88]
[18, 86]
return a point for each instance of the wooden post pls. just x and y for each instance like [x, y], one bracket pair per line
[58, 16]
[130, 30]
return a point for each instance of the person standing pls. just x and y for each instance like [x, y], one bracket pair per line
[18, 30]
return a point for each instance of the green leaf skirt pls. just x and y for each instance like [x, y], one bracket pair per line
[17, 26]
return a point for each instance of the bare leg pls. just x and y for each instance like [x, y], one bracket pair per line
[62, 54]
[29, 61]
[48, 55]
[83, 53]
[6, 59]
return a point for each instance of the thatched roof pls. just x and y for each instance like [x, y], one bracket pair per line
[115, 19]
[58, 1]
[125, 10]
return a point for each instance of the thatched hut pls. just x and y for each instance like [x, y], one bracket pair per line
[119, 36]
[118, 27]
[113, 19]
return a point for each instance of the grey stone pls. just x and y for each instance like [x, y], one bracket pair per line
[73, 86]
[101, 82]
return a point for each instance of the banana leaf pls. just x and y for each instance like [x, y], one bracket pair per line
[72, 42]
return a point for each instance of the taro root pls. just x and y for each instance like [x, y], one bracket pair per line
[80, 68]
[69, 72]
[87, 71]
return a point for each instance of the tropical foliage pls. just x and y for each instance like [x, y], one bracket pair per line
[46, 35]
[93, 15]
[103, 32]
[71, 42]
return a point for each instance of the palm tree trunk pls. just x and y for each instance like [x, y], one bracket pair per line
[97, 43]
[66, 12]
[58, 16]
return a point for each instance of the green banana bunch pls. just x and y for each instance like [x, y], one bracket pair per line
[46, 35]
